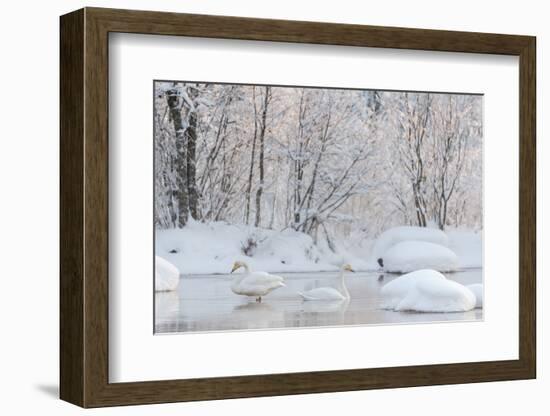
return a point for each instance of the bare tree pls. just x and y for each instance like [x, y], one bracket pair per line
[165, 203]
[332, 145]
[322, 162]
[252, 158]
[191, 139]
[263, 124]
[175, 102]
[298, 156]
[449, 141]
[412, 118]
[217, 180]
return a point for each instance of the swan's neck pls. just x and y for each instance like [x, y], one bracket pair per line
[345, 291]
[240, 276]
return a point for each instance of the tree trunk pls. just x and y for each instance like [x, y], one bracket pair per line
[226, 182]
[298, 193]
[191, 138]
[420, 215]
[252, 159]
[419, 206]
[261, 158]
[443, 221]
[310, 192]
[181, 193]
[298, 166]
[170, 201]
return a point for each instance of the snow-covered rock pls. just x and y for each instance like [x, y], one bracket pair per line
[397, 235]
[167, 276]
[409, 256]
[427, 291]
[477, 290]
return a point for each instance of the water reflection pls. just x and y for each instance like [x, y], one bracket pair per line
[206, 303]
[330, 306]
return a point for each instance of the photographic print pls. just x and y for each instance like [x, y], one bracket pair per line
[300, 207]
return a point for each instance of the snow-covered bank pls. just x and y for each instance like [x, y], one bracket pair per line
[201, 248]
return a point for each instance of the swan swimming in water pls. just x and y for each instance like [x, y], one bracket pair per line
[256, 284]
[330, 293]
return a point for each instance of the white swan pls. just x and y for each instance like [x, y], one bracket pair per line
[329, 293]
[256, 284]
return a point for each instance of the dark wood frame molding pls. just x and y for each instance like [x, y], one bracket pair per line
[84, 207]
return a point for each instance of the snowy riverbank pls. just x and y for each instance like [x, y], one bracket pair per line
[201, 248]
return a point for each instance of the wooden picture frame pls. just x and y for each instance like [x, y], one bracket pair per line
[84, 207]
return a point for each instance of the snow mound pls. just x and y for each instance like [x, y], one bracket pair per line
[397, 235]
[167, 276]
[409, 256]
[427, 291]
[477, 290]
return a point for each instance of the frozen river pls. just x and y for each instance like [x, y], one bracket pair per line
[206, 303]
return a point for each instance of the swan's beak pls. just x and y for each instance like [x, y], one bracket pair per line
[235, 267]
[351, 270]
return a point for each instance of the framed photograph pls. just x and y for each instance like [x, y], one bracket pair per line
[256, 207]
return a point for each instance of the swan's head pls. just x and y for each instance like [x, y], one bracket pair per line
[237, 265]
[348, 268]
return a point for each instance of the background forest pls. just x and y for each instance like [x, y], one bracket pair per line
[332, 167]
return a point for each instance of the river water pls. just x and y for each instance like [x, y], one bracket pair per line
[206, 303]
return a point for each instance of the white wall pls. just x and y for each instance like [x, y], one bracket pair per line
[29, 208]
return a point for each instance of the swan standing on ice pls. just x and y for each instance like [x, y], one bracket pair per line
[329, 293]
[256, 284]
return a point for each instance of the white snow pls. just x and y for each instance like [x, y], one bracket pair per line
[467, 245]
[167, 275]
[396, 235]
[212, 248]
[409, 256]
[289, 247]
[427, 291]
[477, 290]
